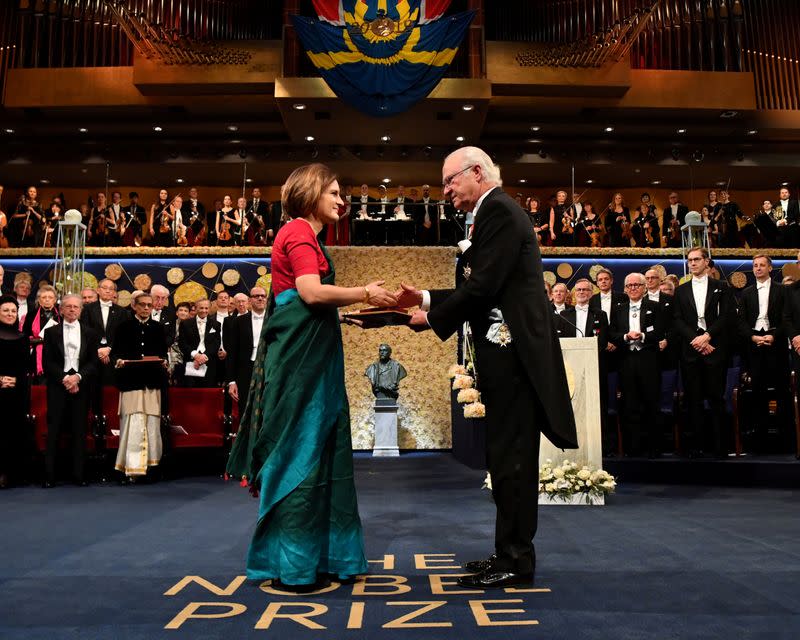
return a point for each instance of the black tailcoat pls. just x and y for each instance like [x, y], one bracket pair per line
[506, 272]
[189, 340]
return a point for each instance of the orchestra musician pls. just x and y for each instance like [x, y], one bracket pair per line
[3, 225]
[618, 222]
[735, 223]
[114, 217]
[589, 229]
[160, 221]
[52, 216]
[646, 231]
[540, 220]
[223, 226]
[134, 222]
[98, 222]
[562, 221]
[193, 213]
[26, 226]
[260, 209]
[787, 223]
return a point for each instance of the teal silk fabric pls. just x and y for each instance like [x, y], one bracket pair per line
[294, 444]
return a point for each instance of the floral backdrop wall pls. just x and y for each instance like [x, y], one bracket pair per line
[424, 413]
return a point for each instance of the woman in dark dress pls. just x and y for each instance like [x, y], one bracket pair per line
[26, 227]
[618, 223]
[540, 221]
[14, 400]
[562, 221]
[228, 224]
[161, 221]
[294, 446]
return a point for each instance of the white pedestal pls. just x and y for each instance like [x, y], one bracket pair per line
[385, 429]
[583, 373]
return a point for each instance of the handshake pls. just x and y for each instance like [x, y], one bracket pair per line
[406, 296]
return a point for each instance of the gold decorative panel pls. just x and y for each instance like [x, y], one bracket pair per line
[424, 414]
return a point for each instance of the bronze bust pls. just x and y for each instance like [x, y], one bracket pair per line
[385, 374]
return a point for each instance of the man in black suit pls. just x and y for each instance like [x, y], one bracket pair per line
[675, 210]
[523, 380]
[791, 323]
[104, 317]
[276, 220]
[199, 339]
[668, 355]
[761, 327]
[704, 315]
[193, 213]
[135, 221]
[243, 333]
[162, 313]
[636, 330]
[70, 366]
[581, 321]
[606, 299]
[426, 219]
[788, 225]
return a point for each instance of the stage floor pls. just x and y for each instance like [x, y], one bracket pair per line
[657, 562]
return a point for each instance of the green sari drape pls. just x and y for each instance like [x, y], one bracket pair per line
[294, 444]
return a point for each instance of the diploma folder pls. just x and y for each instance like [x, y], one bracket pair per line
[376, 317]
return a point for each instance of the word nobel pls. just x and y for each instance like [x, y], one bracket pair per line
[412, 613]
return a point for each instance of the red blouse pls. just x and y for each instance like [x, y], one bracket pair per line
[296, 252]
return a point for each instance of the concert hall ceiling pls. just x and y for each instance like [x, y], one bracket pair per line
[696, 92]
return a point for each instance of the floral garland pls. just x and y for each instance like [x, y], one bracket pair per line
[468, 394]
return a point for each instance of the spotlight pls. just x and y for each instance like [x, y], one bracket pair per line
[681, 130]
[44, 181]
[609, 129]
[655, 182]
[179, 180]
[467, 107]
[9, 131]
[248, 180]
[298, 106]
[386, 180]
[522, 180]
[83, 130]
[459, 138]
[309, 138]
[752, 132]
[535, 127]
[590, 181]
[157, 129]
[698, 155]
[386, 138]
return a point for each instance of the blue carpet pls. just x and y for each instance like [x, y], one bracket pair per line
[656, 562]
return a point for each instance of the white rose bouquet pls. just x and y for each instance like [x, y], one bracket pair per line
[568, 479]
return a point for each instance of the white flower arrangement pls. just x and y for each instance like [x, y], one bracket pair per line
[463, 382]
[568, 479]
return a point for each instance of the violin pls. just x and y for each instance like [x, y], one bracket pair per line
[566, 223]
[182, 240]
[165, 220]
[648, 234]
[674, 229]
[224, 229]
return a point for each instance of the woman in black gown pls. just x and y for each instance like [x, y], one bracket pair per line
[13, 394]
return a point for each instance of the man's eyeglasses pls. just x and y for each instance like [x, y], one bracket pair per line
[449, 179]
[259, 295]
[634, 285]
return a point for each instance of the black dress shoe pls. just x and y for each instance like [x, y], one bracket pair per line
[496, 579]
[476, 566]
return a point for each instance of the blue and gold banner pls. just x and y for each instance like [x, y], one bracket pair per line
[379, 56]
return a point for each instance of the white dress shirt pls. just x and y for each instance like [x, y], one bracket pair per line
[635, 324]
[605, 304]
[257, 322]
[22, 311]
[155, 314]
[105, 307]
[560, 307]
[762, 321]
[784, 206]
[72, 345]
[581, 316]
[363, 210]
[700, 290]
[655, 296]
[201, 328]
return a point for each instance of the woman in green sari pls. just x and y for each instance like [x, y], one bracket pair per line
[294, 446]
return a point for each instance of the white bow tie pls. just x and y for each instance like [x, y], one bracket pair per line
[71, 325]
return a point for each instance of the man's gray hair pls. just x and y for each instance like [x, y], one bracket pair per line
[72, 295]
[635, 274]
[474, 156]
[159, 290]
